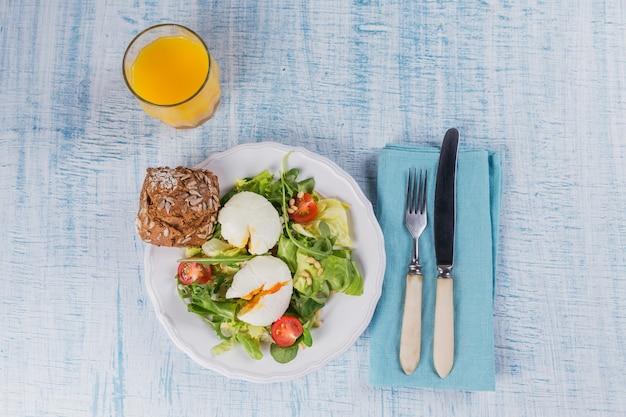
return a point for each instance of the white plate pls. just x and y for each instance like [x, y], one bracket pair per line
[344, 317]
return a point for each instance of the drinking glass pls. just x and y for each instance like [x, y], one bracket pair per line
[171, 72]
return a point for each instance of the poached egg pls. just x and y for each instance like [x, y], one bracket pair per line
[265, 282]
[249, 219]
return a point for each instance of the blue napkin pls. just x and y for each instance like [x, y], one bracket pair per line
[478, 193]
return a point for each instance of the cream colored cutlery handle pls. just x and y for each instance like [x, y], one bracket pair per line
[411, 336]
[443, 343]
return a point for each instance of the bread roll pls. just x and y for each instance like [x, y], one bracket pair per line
[178, 206]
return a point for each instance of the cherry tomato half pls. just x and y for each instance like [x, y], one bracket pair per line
[189, 272]
[303, 209]
[286, 330]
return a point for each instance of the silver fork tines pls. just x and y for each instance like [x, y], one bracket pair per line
[415, 213]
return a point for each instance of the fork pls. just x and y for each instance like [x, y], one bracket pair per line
[415, 222]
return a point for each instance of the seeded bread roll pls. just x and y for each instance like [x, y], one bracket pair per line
[178, 206]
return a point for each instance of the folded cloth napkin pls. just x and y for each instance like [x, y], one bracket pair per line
[478, 195]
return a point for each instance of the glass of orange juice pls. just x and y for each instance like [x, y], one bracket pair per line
[173, 75]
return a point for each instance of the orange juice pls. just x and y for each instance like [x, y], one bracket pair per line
[172, 73]
[170, 70]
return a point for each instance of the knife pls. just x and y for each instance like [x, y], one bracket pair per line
[444, 221]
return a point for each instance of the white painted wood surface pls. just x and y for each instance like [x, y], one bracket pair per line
[543, 82]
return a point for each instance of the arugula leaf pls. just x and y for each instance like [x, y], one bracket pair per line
[199, 298]
[287, 251]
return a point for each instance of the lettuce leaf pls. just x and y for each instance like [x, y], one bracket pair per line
[334, 213]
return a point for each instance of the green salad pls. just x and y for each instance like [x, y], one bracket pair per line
[313, 242]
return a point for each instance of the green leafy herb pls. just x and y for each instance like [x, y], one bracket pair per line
[317, 253]
[283, 354]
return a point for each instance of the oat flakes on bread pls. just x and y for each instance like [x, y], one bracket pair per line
[178, 206]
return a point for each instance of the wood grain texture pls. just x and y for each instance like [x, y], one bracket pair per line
[543, 83]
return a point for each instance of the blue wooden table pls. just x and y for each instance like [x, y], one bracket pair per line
[544, 84]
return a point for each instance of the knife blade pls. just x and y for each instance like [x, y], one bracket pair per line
[444, 227]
